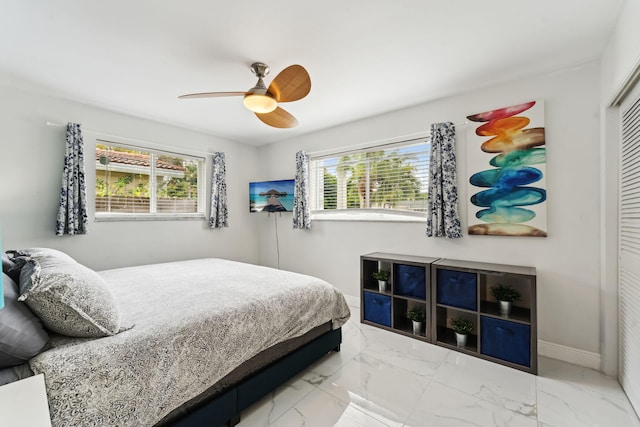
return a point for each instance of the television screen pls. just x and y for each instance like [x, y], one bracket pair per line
[271, 196]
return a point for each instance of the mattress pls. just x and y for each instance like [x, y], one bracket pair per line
[193, 323]
[245, 370]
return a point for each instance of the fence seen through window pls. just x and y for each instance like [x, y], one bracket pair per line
[136, 181]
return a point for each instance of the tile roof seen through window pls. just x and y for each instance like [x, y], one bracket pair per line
[134, 159]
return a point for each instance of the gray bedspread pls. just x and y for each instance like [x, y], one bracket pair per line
[194, 321]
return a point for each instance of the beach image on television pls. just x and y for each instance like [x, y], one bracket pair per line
[271, 196]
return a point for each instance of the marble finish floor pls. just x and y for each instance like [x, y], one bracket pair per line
[384, 379]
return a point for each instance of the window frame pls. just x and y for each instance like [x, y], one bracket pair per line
[365, 214]
[154, 152]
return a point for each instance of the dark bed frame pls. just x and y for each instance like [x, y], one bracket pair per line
[225, 407]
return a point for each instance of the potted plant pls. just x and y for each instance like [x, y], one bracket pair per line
[382, 276]
[462, 327]
[505, 295]
[417, 316]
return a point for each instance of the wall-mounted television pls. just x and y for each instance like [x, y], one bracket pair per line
[271, 196]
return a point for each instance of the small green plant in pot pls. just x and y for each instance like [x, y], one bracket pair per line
[381, 276]
[462, 327]
[505, 295]
[417, 315]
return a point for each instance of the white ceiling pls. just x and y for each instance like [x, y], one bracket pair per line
[365, 57]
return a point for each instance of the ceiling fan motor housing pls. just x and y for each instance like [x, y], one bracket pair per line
[260, 69]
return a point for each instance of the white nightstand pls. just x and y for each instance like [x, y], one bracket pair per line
[24, 403]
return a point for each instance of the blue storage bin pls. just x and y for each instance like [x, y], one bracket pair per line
[506, 340]
[410, 280]
[457, 289]
[377, 308]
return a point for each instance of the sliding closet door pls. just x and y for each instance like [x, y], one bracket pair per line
[629, 250]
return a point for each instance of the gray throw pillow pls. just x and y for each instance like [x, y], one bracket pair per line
[19, 256]
[10, 268]
[7, 263]
[53, 258]
[21, 333]
[68, 297]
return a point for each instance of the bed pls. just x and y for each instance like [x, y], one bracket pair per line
[183, 343]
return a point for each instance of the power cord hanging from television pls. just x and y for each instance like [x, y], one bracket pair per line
[275, 218]
[277, 240]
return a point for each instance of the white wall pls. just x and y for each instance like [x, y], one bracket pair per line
[31, 160]
[567, 261]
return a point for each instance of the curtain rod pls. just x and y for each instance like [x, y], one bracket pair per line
[106, 135]
[375, 144]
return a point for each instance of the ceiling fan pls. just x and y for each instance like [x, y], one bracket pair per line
[291, 84]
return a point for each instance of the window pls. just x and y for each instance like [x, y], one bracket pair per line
[138, 183]
[380, 182]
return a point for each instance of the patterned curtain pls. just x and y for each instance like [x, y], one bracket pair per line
[443, 219]
[218, 214]
[301, 211]
[72, 213]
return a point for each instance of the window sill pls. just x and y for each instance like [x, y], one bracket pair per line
[109, 217]
[369, 216]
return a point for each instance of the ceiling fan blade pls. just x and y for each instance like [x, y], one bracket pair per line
[291, 84]
[278, 118]
[212, 94]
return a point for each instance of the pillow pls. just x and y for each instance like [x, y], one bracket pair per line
[10, 268]
[7, 263]
[50, 252]
[68, 297]
[20, 256]
[21, 333]
[54, 258]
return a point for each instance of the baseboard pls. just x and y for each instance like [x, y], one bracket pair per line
[572, 355]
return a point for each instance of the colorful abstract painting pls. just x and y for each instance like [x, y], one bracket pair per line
[506, 159]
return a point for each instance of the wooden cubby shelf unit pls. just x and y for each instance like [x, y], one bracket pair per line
[463, 289]
[408, 287]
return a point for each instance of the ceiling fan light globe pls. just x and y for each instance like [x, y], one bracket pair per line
[260, 104]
